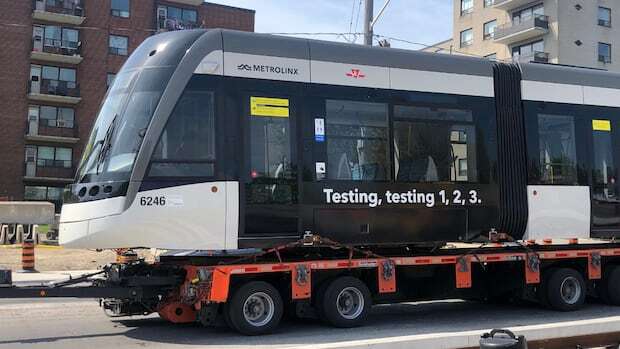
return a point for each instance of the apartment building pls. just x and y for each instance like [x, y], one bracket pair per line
[59, 57]
[571, 32]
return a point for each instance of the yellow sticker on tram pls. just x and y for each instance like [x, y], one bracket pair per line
[601, 125]
[274, 107]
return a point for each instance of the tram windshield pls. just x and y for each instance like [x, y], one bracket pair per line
[122, 123]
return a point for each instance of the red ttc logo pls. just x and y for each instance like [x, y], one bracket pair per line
[356, 74]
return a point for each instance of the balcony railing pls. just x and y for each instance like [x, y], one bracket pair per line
[59, 47]
[65, 7]
[53, 129]
[52, 171]
[507, 5]
[538, 57]
[169, 24]
[57, 87]
[54, 163]
[523, 30]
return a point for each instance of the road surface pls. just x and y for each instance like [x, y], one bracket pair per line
[66, 323]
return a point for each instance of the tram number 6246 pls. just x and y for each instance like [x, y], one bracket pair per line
[153, 201]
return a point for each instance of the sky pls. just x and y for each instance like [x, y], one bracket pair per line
[413, 21]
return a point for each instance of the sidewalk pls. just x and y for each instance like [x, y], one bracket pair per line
[27, 279]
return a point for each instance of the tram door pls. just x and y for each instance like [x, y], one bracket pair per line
[605, 187]
[271, 185]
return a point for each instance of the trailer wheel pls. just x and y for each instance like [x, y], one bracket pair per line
[564, 289]
[255, 308]
[610, 288]
[345, 302]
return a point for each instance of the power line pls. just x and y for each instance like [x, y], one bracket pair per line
[425, 45]
[352, 12]
[359, 8]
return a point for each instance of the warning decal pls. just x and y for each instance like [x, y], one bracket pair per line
[601, 125]
[274, 107]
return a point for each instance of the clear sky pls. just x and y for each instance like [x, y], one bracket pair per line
[419, 21]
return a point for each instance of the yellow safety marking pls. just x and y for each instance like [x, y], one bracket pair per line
[601, 125]
[274, 107]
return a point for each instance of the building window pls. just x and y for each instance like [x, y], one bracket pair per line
[489, 29]
[467, 37]
[57, 81]
[604, 16]
[120, 8]
[558, 157]
[434, 144]
[59, 37]
[110, 79]
[527, 13]
[118, 45]
[528, 50]
[357, 141]
[492, 56]
[489, 3]
[56, 117]
[175, 18]
[54, 157]
[467, 6]
[604, 52]
[41, 193]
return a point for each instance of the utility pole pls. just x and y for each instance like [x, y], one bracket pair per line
[368, 14]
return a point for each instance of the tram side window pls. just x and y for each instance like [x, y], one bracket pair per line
[558, 156]
[434, 145]
[603, 172]
[357, 146]
[187, 145]
[270, 160]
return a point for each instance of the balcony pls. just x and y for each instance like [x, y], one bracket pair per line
[188, 2]
[536, 57]
[57, 51]
[170, 24]
[54, 91]
[51, 131]
[59, 11]
[49, 171]
[510, 33]
[507, 5]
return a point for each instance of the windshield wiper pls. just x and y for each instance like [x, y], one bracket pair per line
[105, 143]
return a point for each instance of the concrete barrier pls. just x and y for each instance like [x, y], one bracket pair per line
[19, 234]
[26, 212]
[4, 234]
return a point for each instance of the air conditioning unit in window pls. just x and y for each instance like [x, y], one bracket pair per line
[61, 123]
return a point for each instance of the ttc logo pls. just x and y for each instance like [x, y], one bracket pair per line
[356, 74]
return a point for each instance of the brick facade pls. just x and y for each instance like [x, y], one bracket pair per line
[17, 21]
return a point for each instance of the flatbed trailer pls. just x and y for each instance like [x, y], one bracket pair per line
[317, 277]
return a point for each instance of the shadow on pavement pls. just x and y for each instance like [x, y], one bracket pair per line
[384, 321]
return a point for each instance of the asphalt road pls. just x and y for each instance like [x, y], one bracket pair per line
[63, 323]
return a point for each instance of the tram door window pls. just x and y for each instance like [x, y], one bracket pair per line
[357, 146]
[434, 145]
[271, 170]
[187, 145]
[605, 200]
[558, 156]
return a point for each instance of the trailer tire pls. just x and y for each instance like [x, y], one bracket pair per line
[255, 308]
[564, 289]
[610, 287]
[345, 302]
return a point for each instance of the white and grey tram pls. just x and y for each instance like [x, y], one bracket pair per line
[223, 140]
